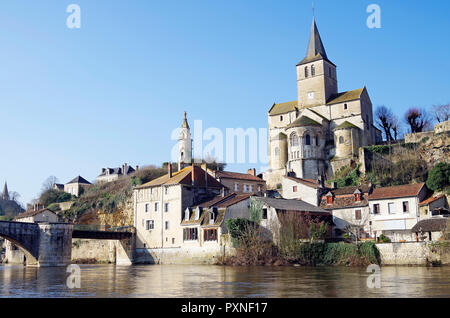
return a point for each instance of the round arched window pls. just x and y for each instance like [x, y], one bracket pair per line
[294, 140]
[308, 140]
[341, 140]
[277, 151]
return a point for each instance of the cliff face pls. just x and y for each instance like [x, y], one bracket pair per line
[435, 149]
[123, 215]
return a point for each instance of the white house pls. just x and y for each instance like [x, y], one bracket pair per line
[307, 190]
[395, 210]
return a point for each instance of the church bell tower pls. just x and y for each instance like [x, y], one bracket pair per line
[184, 145]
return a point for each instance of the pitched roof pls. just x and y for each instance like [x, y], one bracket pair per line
[237, 175]
[345, 96]
[118, 170]
[303, 121]
[431, 199]
[431, 225]
[283, 108]
[346, 125]
[291, 205]
[32, 213]
[224, 202]
[364, 188]
[407, 190]
[308, 182]
[315, 49]
[185, 122]
[184, 177]
[344, 201]
[79, 179]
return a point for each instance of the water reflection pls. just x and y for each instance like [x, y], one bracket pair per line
[222, 281]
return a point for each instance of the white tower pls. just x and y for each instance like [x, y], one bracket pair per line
[184, 145]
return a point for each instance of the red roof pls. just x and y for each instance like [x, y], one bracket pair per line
[308, 182]
[237, 175]
[431, 199]
[407, 190]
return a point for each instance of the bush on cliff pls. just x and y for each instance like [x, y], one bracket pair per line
[439, 177]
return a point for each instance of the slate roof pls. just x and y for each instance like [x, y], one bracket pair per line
[345, 96]
[431, 225]
[402, 191]
[291, 205]
[283, 108]
[79, 179]
[32, 213]
[364, 188]
[303, 121]
[112, 171]
[184, 177]
[237, 175]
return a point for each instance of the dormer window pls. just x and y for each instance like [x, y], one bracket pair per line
[212, 216]
[187, 214]
[357, 195]
[197, 213]
[329, 198]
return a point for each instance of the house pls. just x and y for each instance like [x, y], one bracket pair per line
[279, 212]
[395, 210]
[204, 224]
[432, 229]
[77, 186]
[159, 205]
[58, 187]
[350, 208]
[307, 190]
[242, 183]
[433, 205]
[112, 174]
[36, 216]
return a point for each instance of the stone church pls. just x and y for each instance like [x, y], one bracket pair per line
[323, 129]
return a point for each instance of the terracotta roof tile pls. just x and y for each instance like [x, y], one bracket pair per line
[32, 213]
[308, 182]
[238, 176]
[407, 190]
[430, 200]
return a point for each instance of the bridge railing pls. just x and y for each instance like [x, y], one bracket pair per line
[102, 228]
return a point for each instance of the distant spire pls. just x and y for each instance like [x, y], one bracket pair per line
[5, 193]
[315, 45]
[185, 122]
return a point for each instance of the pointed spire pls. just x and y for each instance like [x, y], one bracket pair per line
[315, 45]
[185, 122]
[5, 193]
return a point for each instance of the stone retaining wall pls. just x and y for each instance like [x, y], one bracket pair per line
[414, 253]
[100, 251]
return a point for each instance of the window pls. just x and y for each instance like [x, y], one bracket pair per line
[357, 196]
[166, 190]
[341, 140]
[308, 140]
[345, 106]
[245, 188]
[259, 188]
[147, 207]
[149, 225]
[306, 71]
[190, 234]
[311, 95]
[330, 199]
[187, 214]
[313, 70]
[167, 225]
[405, 205]
[156, 206]
[376, 209]
[166, 207]
[391, 209]
[357, 214]
[250, 188]
[236, 187]
[173, 240]
[294, 140]
[264, 214]
[281, 118]
[317, 140]
[277, 151]
[210, 235]
[294, 189]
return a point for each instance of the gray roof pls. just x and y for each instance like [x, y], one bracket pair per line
[119, 171]
[79, 179]
[291, 205]
[431, 225]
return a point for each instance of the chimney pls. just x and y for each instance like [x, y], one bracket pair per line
[124, 169]
[252, 172]
[103, 170]
[223, 192]
[137, 168]
[169, 168]
[334, 184]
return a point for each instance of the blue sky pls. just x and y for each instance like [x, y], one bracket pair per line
[74, 101]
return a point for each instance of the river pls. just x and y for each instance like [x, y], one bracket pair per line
[223, 281]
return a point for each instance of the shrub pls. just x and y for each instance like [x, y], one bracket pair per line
[384, 239]
[439, 177]
[237, 229]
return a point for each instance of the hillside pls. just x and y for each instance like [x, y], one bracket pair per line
[9, 209]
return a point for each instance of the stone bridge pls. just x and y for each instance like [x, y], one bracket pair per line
[50, 244]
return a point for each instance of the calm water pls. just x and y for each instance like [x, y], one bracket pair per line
[223, 281]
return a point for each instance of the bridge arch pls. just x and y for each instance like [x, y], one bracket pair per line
[23, 235]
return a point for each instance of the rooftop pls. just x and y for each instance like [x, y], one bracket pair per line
[79, 179]
[291, 205]
[237, 175]
[304, 121]
[345, 96]
[28, 214]
[401, 191]
[431, 225]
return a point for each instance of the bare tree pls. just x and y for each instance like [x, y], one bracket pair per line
[418, 119]
[356, 224]
[396, 127]
[49, 183]
[441, 112]
[14, 196]
[384, 120]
